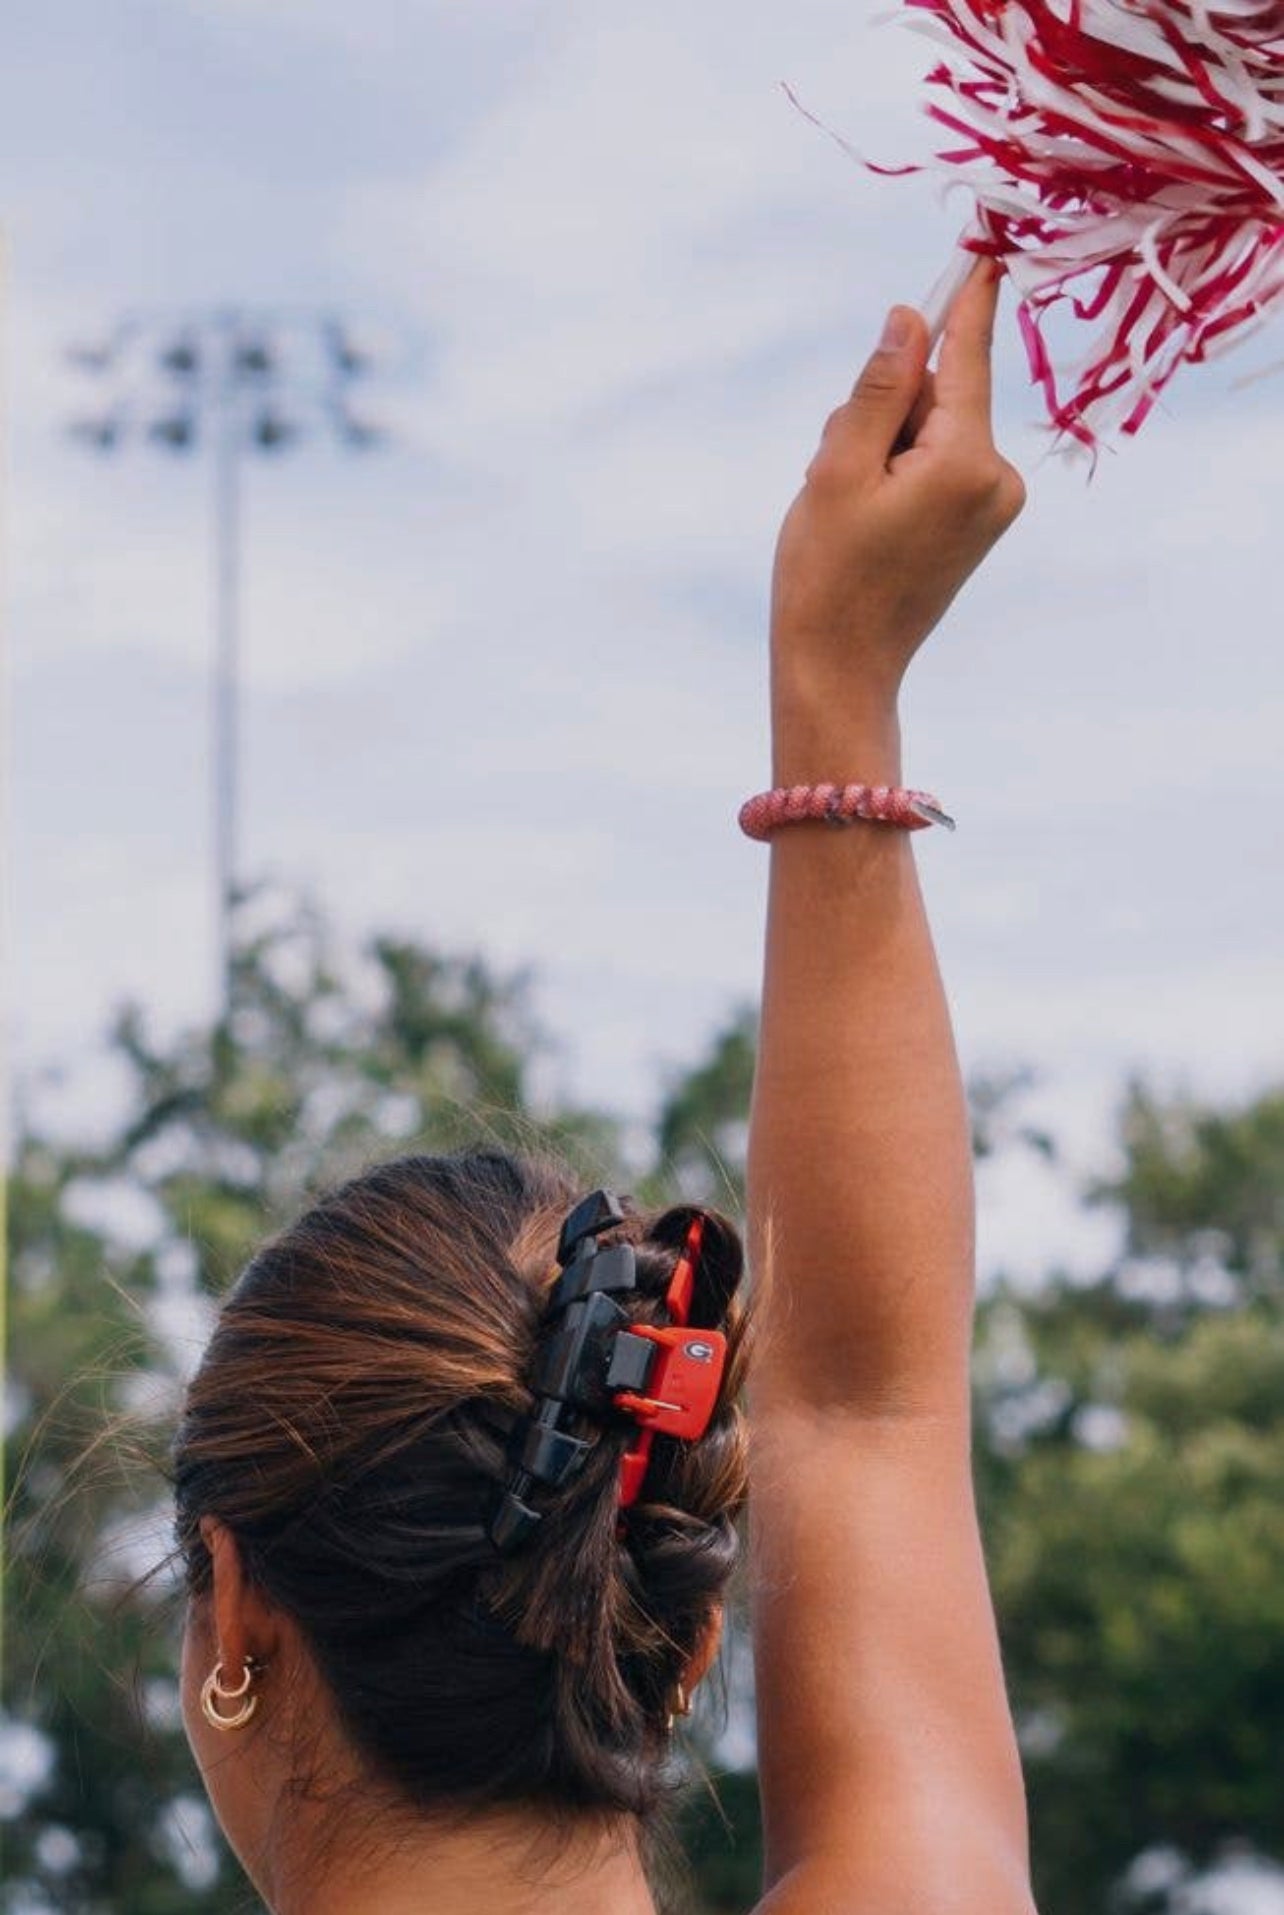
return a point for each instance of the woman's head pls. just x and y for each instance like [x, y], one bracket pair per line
[339, 1459]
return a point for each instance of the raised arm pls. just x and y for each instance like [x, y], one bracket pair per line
[890, 1778]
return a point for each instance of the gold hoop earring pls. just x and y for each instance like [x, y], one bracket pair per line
[683, 1708]
[212, 1688]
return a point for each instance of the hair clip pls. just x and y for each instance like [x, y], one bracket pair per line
[597, 1363]
[680, 1371]
[599, 1211]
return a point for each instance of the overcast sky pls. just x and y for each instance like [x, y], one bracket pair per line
[506, 680]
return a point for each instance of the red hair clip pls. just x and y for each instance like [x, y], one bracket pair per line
[667, 1379]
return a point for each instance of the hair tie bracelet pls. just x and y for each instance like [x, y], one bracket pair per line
[840, 805]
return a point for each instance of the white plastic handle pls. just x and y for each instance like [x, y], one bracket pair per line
[947, 287]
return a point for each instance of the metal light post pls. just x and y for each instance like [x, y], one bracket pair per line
[237, 380]
[228, 438]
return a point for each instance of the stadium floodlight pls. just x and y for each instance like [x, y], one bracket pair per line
[235, 381]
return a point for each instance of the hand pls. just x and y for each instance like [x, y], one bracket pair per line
[903, 500]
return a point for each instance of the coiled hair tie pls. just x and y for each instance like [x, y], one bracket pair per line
[840, 805]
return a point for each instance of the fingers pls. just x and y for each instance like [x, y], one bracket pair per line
[884, 395]
[896, 398]
[920, 412]
[963, 369]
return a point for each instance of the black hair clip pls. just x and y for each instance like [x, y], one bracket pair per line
[570, 1375]
[593, 1214]
[598, 1363]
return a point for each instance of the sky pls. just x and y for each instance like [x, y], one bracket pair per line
[505, 681]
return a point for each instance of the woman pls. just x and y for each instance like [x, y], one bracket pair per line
[457, 1477]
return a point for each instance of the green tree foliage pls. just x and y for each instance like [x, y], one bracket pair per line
[703, 1130]
[1131, 1447]
[1201, 1182]
[317, 1070]
[71, 1654]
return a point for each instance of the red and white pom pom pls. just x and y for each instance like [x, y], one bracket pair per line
[1126, 155]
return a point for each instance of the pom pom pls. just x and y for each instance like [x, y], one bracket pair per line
[1129, 158]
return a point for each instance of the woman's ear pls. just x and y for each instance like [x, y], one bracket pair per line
[244, 1624]
[706, 1650]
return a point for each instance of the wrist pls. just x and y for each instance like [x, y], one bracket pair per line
[853, 740]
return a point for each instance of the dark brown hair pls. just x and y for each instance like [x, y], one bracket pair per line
[347, 1423]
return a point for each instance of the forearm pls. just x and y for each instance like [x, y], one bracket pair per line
[860, 1182]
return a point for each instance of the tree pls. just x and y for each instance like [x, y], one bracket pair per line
[1205, 1187]
[317, 1070]
[703, 1132]
[78, 1335]
[1131, 1443]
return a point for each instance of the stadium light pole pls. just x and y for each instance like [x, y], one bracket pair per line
[238, 381]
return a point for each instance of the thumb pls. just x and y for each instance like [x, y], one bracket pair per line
[884, 395]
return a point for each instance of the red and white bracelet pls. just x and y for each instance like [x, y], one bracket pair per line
[840, 805]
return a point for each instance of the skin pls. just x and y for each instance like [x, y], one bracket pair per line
[890, 1778]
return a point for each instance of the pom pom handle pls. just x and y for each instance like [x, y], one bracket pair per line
[947, 287]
